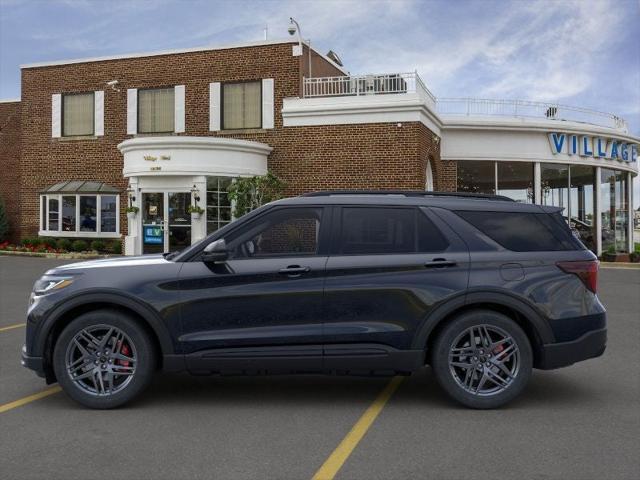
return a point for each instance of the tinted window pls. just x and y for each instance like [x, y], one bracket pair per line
[388, 230]
[288, 231]
[522, 232]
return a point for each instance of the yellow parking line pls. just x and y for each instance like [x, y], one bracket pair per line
[334, 463]
[31, 398]
[11, 327]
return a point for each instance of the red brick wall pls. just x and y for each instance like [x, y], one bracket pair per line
[10, 161]
[307, 158]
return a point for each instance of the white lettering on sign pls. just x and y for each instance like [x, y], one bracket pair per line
[597, 147]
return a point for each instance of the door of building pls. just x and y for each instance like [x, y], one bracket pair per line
[166, 224]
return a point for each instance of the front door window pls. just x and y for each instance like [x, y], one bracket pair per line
[179, 221]
[166, 225]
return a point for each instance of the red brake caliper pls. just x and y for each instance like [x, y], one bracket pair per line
[125, 351]
[498, 349]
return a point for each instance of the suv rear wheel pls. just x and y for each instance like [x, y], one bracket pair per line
[103, 359]
[482, 359]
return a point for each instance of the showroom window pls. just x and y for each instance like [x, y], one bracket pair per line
[614, 210]
[156, 110]
[241, 105]
[511, 179]
[477, 176]
[218, 203]
[78, 114]
[515, 180]
[74, 209]
[571, 188]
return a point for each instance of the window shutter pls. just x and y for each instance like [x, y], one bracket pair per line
[98, 111]
[56, 115]
[267, 103]
[179, 108]
[214, 106]
[132, 111]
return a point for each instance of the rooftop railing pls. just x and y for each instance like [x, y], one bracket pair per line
[401, 83]
[357, 85]
[528, 109]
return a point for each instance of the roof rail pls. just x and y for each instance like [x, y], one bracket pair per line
[409, 193]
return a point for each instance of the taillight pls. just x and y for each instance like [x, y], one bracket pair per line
[587, 271]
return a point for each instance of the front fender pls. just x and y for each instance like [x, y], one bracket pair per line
[115, 298]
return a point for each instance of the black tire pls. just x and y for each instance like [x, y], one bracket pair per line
[141, 343]
[446, 377]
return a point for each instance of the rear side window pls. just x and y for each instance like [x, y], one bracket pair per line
[388, 230]
[523, 232]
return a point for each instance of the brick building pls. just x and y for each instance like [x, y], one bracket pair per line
[164, 130]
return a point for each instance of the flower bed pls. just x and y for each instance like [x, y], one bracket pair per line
[51, 246]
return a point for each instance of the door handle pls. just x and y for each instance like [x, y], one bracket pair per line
[294, 270]
[439, 263]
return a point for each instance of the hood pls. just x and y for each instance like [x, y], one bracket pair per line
[111, 262]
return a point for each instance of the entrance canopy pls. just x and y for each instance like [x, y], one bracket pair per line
[171, 155]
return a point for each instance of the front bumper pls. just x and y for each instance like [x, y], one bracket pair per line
[34, 363]
[590, 345]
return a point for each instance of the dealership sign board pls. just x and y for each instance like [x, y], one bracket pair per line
[589, 146]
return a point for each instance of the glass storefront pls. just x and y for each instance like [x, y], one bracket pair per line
[614, 210]
[477, 177]
[515, 180]
[512, 179]
[582, 204]
[570, 187]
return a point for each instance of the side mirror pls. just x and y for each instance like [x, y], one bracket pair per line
[215, 251]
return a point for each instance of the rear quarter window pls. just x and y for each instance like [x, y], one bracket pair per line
[523, 231]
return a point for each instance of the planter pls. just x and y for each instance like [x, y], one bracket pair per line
[195, 216]
[131, 216]
[616, 257]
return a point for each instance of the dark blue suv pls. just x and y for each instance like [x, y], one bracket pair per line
[481, 288]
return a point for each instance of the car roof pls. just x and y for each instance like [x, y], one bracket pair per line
[447, 200]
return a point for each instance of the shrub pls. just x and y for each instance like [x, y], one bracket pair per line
[249, 193]
[4, 222]
[64, 244]
[116, 247]
[98, 245]
[79, 246]
[28, 241]
[46, 242]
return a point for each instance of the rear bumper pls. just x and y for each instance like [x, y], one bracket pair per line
[590, 345]
[32, 363]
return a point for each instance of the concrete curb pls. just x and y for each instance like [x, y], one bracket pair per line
[628, 266]
[61, 256]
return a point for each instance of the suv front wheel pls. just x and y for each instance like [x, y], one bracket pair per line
[103, 359]
[482, 359]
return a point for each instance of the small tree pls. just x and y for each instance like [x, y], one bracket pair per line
[4, 222]
[249, 193]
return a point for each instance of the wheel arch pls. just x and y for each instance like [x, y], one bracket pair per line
[72, 308]
[526, 316]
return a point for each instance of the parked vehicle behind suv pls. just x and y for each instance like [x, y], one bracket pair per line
[481, 288]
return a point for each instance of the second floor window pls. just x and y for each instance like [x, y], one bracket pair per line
[156, 110]
[241, 105]
[77, 114]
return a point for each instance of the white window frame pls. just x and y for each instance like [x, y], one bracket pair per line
[78, 233]
[96, 120]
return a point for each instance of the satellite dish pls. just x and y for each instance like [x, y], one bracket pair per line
[335, 58]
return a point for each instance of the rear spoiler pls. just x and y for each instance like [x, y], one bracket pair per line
[551, 209]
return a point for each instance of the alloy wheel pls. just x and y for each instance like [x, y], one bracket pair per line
[484, 360]
[101, 360]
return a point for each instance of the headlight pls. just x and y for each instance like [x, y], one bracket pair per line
[48, 284]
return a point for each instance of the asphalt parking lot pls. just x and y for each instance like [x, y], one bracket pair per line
[582, 422]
